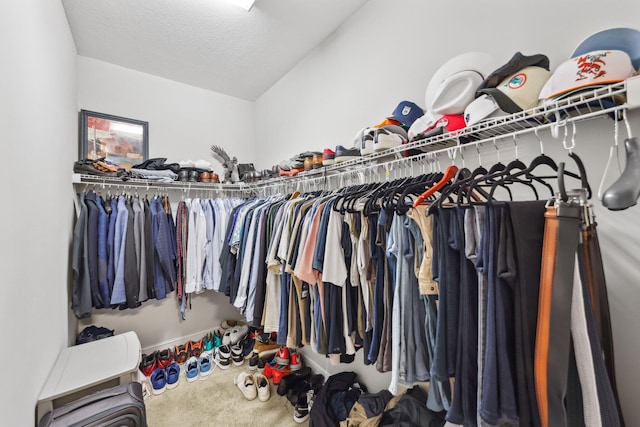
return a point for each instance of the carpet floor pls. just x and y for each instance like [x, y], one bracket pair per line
[217, 401]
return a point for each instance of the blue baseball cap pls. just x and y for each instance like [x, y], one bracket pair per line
[624, 39]
[406, 113]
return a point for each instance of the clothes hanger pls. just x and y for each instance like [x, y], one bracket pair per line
[581, 169]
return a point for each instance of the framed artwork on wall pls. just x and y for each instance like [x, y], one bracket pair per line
[119, 140]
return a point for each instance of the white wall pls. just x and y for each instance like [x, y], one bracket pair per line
[184, 121]
[39, 139]
[387, 54]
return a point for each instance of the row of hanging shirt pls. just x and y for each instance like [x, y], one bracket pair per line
[430, 294]
[124, 252]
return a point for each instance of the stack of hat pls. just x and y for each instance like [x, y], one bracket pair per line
[450, 90]
[391, 132]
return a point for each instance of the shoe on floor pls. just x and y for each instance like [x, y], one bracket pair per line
[282, 356]
[234, 334]
[295, 361]
[290, 380]
[149, 363]
[237, 357]
[180, 353]
[208, 343]
[247, 385]
[158, 381]
[223, 357]
[165, 357]
[265, 347]
[264, 389]
[205, 364]
[194, 348]
[173, 375]
[303, 408]
[191, 369]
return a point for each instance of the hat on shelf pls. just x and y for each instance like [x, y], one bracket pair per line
[624, 39]
[512, 88]
[517, 62]
[431, 124]
[405, 113]
[589, 70]
[453, 86]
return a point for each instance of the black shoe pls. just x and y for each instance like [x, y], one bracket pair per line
[303, 408]
[288, 381]
[293, 394]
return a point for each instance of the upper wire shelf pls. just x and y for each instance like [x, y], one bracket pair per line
[597, 102]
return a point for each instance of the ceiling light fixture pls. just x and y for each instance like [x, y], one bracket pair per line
[245, 4]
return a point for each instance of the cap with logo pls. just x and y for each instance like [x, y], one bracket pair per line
[406, 113]
[624, 39]
[432, 124]
[595, 68]
[512, 88]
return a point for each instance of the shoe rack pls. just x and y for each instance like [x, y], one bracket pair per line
[610, 100]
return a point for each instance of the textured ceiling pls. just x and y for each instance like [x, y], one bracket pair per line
[206, 43]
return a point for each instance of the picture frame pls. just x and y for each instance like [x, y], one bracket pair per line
[119, 140]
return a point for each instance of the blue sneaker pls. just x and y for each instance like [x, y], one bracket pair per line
[206, 365]
[173, 375]
[191, 369]
[344, 154]
[158, 381]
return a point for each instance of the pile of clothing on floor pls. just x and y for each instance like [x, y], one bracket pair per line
[343, 401]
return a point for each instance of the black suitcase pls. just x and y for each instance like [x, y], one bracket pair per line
[121, 406]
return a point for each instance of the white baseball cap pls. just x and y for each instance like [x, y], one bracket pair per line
[482, 108]
[598, 67]
[446, 90]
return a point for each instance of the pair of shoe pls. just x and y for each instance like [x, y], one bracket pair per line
[162, 379]
[157, 359]
[222, 357]
[199, 368]
[314, 382]
[211, 340]
[253, 386]
[288, 382]
[182, 352]
[257, 362]
[235, 334]
[265, 346]
[303, 408]
[279, 366]
[371, 140]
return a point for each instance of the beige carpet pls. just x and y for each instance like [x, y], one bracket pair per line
[217, 401]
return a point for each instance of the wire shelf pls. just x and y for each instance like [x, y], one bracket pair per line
[608, 100]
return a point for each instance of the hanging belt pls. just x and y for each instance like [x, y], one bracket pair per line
[562, 226]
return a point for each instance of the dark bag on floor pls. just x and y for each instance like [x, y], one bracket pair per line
[121, 406]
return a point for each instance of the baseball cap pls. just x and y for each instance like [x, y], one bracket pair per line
[624, 39]
[517, 62]
[406, 113]
[598, 67]
[448, 92]
[519, 91]
[482, 108]
[442, 124]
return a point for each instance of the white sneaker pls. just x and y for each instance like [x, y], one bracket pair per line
[264, 390]
[235, 334]
[364, 141]
[247, 385]
[388, 136]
